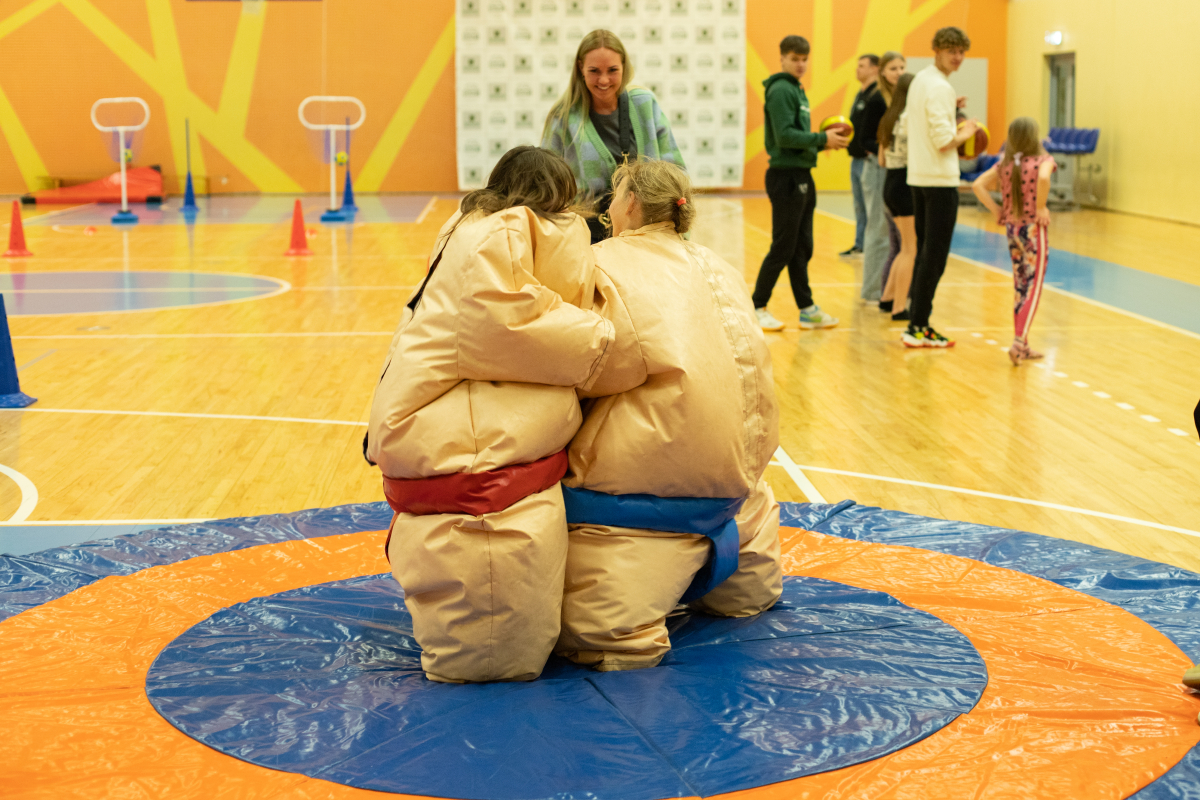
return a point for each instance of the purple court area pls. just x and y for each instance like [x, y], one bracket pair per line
[27, 294]
[243, 210]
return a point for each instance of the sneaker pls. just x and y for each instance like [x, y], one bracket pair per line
[926, 337]
[853, 251]
[885, 305]
[767, 321]
[814, 317]
[901, 316]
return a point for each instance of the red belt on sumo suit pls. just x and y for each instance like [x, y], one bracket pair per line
[474, 493]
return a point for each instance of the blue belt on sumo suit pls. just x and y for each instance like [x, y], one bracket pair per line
[708, 516]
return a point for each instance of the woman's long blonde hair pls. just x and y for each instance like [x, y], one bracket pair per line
[887, 89]
[1023, 140]
[577, 95]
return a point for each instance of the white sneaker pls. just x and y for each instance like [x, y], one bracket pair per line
[814, 317]
[767, 321]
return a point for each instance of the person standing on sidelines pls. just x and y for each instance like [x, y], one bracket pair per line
[864, 147]
[792, 149]
[933, 175]
[601, 121]
[1023, 179]
[866, 73]
[893, 143]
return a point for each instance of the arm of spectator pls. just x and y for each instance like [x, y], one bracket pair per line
[939, 116]
[1045, 169]
[783, 108]
[983, 186]
[668, 150]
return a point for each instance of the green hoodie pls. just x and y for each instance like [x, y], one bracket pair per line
[786, 132]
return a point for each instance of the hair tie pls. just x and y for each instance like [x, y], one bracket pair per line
[681, 201]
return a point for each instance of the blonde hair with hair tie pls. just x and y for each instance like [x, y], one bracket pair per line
[663, 189]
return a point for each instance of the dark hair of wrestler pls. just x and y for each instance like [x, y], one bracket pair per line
[526, 176]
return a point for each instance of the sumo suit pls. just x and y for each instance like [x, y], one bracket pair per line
[688, 429]
[469, 425]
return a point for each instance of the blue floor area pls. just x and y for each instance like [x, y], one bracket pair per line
[99, 292]
[21, 540]
[243, 209]
[1153, 296]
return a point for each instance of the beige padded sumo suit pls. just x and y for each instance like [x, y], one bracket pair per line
[695, 417]
[469, 424]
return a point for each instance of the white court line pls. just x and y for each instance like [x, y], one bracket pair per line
[59, 522]
[1009, 498]
[59, 213]
[798, 477]
[29, 494]
[335, 288]
[268, 335]
[252, 417]
[425, 212]
[145, 290]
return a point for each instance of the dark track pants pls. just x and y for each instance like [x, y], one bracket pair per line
[936, 211]
[793, 198]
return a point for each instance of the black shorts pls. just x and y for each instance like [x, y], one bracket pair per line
[897, 196]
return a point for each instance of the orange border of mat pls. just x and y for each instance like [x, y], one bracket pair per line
[1082, 696]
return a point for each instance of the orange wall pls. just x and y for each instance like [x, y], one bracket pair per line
[239, 70]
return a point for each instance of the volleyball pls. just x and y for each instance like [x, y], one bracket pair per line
[838, 124]
[976, 145]
[342, 159]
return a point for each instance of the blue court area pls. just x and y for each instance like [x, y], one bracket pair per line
[36, 293]
[324, 680]
[1143, 293]
[327, 681]
[256, 209]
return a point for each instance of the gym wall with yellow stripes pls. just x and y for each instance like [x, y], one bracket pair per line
[238, 71]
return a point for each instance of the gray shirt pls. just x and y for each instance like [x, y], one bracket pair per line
[609, 128]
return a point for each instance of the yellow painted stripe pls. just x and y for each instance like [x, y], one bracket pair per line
[252, 162]
[757, 71]
[23, 15]
[170, 61]
[29, 163]
[379, 163]
[234, 106]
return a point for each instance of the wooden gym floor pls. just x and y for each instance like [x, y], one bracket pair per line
[255, 407]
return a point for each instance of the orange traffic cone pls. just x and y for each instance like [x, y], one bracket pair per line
[299, 240]
[16, 235]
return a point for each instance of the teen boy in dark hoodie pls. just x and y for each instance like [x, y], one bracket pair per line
[792, 148]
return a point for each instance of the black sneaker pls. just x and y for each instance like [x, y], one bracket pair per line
[885, 305]
[853, 251]
[901, 316]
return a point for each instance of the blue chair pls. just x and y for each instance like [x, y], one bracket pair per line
[1075, 142]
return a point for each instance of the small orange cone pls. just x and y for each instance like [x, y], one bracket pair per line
[16, 235]
[299, 240]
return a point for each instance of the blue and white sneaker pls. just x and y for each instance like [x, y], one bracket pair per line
[814, 317]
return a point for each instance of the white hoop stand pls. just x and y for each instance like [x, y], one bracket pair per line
[124, 215]
[334, 214]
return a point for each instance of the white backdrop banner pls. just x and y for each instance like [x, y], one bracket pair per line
[514, 58]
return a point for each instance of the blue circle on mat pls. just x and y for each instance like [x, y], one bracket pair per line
[326, 681]
[32, 293]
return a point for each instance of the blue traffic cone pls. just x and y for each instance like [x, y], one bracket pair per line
[189, 195]
[348, 194]
[11, 395]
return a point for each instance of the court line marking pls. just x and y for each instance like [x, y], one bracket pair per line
[283, 288]
[795, 471]
[131, 290]
[29, 494]
[60, 212]
[252, 417]
[39, 358]
[782, 459]
[85, 522]
[268, 334]
[1009, 498]
[336, 288]
[1090, 301]
[425, 211]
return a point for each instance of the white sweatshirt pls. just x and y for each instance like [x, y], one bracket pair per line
[931, 106]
